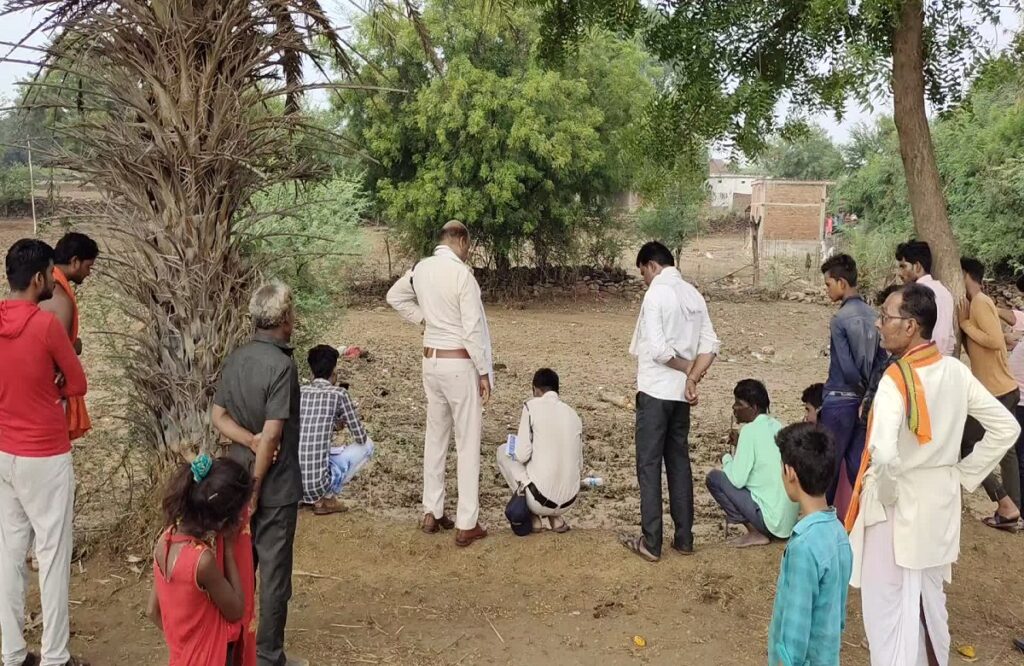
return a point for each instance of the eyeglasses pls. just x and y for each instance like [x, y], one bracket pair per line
[885, 317]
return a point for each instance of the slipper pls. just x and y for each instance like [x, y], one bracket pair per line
[561, 529]
[637, 545]
[1002, 523]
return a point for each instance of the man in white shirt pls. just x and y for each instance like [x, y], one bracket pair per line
[905, 513]
[546, 456]
[675, 344]
[915, 266]
[442, 294]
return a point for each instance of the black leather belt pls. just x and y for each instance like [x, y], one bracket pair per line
[544, 501]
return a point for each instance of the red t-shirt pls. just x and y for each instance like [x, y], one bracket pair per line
[33, 346]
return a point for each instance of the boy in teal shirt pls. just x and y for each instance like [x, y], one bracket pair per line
[749, 486]
[810, 597]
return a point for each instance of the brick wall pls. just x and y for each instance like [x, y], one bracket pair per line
[791, 222]
[801, 193]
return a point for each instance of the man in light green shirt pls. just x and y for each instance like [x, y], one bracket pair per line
[749, 486]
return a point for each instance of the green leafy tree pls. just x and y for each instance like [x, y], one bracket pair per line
[735, 62]
[809, 155]
[679, 214]
[526, 155]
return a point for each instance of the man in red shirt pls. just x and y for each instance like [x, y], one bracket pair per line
[37, 482]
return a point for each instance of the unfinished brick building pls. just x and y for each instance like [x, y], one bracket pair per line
[790, 215]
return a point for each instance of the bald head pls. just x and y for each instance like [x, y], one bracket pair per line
[455, 235]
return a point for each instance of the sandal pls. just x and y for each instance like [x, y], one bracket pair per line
[636, 545]
[562, 528]
[1002, 523]
[327, 506]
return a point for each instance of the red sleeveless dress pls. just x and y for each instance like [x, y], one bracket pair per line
[195, 631]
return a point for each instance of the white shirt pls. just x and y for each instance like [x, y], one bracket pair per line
[944, 335]
[442, 291]
[674, 321]
[552, 449]
[920, 484]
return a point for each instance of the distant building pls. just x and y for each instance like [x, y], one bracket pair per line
[730, 191]
[790, 214]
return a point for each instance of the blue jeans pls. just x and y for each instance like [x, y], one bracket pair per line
[840, 415]
[345, 462]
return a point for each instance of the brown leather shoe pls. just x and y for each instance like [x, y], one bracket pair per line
[465, 537]
[432, 525]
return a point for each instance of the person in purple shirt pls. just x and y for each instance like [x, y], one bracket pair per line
[854, 356]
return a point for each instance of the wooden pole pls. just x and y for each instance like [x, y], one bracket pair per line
[755, 229]
[32, 191]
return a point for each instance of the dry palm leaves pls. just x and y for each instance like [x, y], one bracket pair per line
[178, 111]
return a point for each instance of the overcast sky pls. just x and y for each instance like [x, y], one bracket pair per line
[15, 26]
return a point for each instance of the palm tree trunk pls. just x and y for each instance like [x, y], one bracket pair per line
[924, 185]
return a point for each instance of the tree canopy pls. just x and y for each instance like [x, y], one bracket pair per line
[519, 151]
[809, 155]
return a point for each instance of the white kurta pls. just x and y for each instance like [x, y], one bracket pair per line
[916, 489]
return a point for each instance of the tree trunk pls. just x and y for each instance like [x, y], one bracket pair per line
[924, 185]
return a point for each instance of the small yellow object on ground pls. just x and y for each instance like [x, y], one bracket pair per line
[967, 652]
[639, 641]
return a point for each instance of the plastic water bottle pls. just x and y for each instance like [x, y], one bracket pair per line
[592, 482]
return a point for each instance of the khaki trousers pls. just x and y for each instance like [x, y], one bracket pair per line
[36, 494]
[452, 387]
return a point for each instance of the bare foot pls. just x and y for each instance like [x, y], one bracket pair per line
[558, 525]
[537, 524]
[751, 539]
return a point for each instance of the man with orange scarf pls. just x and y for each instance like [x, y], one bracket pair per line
[904, 515]
[73, 259]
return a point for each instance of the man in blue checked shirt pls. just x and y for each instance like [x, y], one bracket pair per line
[810, 597]
[324, 408]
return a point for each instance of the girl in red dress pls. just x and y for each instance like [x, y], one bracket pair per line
[199, 596]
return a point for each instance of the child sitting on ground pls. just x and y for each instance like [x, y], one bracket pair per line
[324, 408]
[810, 597]
[196, 604]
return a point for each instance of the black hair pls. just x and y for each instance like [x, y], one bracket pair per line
[75, 245]
[753, 393]
[656, 252]
[841, 267]
[1020, 282]
[915, 252]
[919, 304]
[26, 259]
[211, 505]
[322, 359]
[814, 395]
[810, 451]
[887, 291]
[546, 379]
[974, 268]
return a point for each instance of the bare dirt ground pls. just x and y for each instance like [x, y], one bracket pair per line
[371, 589]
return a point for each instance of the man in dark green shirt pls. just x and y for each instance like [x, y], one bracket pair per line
[257, 407]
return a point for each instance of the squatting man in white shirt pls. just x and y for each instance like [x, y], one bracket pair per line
[546, 456]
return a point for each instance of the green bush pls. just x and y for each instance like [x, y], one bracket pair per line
[302, 236]
[15, 193]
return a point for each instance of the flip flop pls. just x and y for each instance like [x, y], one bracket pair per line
[561, 529]
[1002, 523]
[636, 545]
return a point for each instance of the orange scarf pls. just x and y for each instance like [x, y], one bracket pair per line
[77, 415]
[904, 373]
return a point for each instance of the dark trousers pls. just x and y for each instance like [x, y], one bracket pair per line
[840, 415]
[662, 429]
[738, 504]
[1008, 482]
[273, 539]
